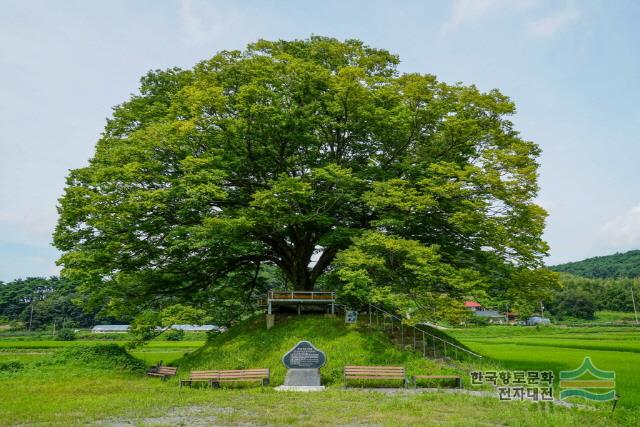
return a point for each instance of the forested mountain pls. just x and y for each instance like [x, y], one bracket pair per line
[610, 266]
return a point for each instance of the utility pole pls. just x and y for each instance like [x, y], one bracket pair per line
[31, 315]
[541, 309]
[633, 300]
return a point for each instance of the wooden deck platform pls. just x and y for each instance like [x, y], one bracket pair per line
[297, 298]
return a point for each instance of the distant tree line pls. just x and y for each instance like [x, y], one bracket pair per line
[39, 302]
[620, 265]
[581, 297]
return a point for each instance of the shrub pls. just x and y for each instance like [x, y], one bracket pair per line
[11, 366]
[174, 335]
[66, 335]
[107, 356]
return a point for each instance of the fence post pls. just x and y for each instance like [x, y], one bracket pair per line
[414, 337]
[424, 346]
[402, 332]
[433, 341]
[370, 316]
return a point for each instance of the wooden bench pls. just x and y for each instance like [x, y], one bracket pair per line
[163, 372]
[200, 376]
[375, 373]
[261, 375]
[220, 376]
[438, 377]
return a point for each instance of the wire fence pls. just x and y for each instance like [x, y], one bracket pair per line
[417, 337]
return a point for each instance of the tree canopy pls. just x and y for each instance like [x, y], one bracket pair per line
[292, 153]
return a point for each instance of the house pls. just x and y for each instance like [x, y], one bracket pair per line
[110, 329]
[492, 316]
[472, 305]
[537, 320]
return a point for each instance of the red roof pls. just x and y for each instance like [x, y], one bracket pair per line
[471, 304]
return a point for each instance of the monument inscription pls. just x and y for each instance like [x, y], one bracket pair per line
[304, 356]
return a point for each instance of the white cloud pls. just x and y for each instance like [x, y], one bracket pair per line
[202, 23]
[622, 232]
[551, 24]
[469, 11]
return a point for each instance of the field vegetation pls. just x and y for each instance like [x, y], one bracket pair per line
[562, 348]
[100, 382]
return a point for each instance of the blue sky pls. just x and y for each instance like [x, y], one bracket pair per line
[572, 68]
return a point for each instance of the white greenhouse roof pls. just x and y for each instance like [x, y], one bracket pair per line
[187, 328]
[110, 328]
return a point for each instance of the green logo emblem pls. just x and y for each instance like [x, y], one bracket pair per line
[593, 379]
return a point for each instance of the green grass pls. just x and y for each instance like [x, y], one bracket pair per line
[61, 397]
[167, 356]
[125, 398]
[155, 351]
[75, 384]
[557, 349]
[602, 318]
[13, 344]
[623, 332]
[558, 342]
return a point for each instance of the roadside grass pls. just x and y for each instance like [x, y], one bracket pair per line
[76, 395]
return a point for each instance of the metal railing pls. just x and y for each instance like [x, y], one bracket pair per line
[301, 295]
[421, 340]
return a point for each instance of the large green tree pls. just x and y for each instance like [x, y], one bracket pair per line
[283, 155]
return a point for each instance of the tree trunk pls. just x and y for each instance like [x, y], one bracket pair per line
[294, 259]
[301, 275]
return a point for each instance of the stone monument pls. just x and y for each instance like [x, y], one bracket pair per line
[303, 363]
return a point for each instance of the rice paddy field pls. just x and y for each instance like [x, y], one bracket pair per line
[563, 348]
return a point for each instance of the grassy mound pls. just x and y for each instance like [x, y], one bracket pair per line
[109, 356]
[251, 345]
